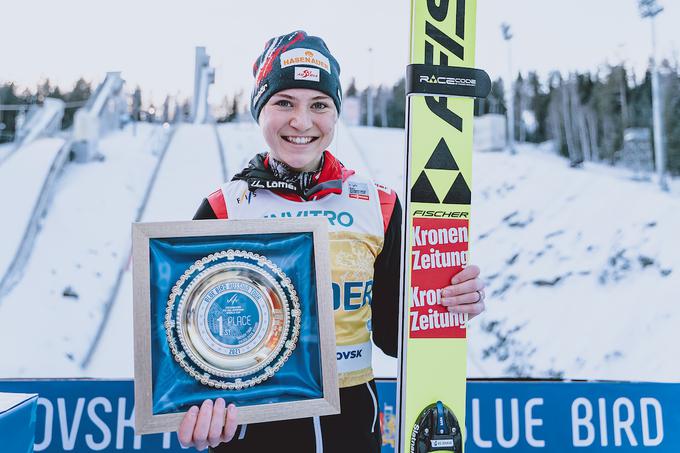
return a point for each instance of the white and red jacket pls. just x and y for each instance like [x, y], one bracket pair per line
[364, 222]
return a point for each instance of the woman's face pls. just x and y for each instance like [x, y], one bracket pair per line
[298, 125]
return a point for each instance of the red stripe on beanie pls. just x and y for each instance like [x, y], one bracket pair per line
[266, 66]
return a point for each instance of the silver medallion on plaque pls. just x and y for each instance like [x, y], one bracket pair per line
[232, 319]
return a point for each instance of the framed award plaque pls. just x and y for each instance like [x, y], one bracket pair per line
[238, 309]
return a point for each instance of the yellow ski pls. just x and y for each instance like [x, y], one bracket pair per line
[441, 85]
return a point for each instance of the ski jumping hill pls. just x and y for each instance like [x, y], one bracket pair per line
[191, 169]
[53, 312]
[20, 195]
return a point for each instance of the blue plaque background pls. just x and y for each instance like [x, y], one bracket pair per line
[173, 390]
[239, 334]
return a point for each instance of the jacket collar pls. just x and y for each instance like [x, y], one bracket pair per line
[329, 179]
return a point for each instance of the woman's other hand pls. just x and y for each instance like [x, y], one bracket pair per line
[466, 293]
[213, 424]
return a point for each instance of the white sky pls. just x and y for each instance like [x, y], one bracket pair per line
[153, 41]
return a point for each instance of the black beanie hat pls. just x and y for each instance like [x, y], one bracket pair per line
[295, 60]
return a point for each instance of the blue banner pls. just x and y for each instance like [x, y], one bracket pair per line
[17, 421]
[88, 415]
[560, 416]
[96, 415]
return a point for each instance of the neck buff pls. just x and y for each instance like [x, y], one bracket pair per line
[303, 180]
[264, 172]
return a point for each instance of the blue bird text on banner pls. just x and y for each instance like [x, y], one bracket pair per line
[96, 415]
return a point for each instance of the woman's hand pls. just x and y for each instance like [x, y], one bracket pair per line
[465, 294]
[210, 426]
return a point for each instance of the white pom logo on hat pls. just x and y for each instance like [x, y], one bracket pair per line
[303, 56]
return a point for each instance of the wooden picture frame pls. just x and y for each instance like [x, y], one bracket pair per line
[146, 421]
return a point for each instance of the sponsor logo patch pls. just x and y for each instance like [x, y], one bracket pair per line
[308, 57]
[342, 218]
[245, 197]
[259, 94]
[344, 355]
[358, 190]
[442, 443]
[449, 81]
[439, 250]
[269, 184]
[352, 295]
[385, 189]
[302, 73]
[443, 214]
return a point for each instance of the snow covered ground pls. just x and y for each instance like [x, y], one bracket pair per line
[5, 150]
[49, 319]
[20, 194]
[190, 171]
[582, 266]
[240, 141]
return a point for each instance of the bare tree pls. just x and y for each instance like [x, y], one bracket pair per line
[591, 124]
[565, 96]
[579, 121]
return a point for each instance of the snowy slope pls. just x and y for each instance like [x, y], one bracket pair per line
[240, 141]
[6, 149]
[583, 270]
[190, 171]
[383, 151]
[582, 265]
[19, 195]
[52, 314]
[42, 119]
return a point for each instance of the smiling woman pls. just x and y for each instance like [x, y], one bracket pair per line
[296, 101]
[298, 125]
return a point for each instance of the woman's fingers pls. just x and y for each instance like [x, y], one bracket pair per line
[209, 426]
[463, 299]
[230, 426]
[219, 415]
[471, 309]
[467, 273]
[203, 425]
[186, 428]
[466, 287]
[466, 294]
